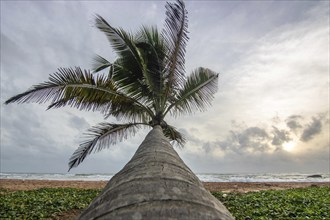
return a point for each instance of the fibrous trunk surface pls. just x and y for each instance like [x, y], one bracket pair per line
[155, 184]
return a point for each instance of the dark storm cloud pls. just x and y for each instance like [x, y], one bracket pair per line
[293, 122]
[252, 138]
[261, 148]
[307, 131]
[242, 141]
[252, 132]
[311, 130]
[280, 136]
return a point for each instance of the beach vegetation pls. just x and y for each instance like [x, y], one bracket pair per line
[43, 203]
[303, 203]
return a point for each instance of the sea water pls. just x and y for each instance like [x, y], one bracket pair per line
[205, 177]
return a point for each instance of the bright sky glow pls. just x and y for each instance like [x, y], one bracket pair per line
[289, 146]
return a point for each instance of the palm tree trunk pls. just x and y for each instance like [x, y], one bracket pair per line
[155, 184]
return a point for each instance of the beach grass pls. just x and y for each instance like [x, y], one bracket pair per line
[51, 203]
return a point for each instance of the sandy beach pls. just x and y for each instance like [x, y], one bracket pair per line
[13, 184]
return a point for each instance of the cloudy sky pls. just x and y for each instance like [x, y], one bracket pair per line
[271, 113]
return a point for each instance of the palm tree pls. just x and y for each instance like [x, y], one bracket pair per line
[155, 184]
[145, 83]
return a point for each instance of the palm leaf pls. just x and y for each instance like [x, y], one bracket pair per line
[153, 77]
[175, 35]
[128, 111]
[120, 40]
[100, 137]
[198, 92]
[66, 80]
[79, 89]
[100, 64]
[136, 88]
[128, 69]
[151, 67]
[174, 135]
[123, 43]
[152, 47]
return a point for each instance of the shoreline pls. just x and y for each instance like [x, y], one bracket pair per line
[243, 187]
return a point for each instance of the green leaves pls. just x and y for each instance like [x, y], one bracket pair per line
[175, 34]
[43, 203]
[101, 63]
[79, 89]
[121, 41]
[73, 87]
[306, 203]
[129, 66]
[174, 135]
[197, 93]
[100, 137]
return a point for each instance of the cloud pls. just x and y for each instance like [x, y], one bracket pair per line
[311, 130]
[286, 70]
[78, 122]
[264, 147]
[272, 60]
[251, 139]
[293, 122]
[280, 136]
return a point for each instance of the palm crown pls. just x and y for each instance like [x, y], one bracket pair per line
[141, 86]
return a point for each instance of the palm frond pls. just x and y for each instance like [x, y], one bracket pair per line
[60, 83]
[79, 89]
[128, 111]
[122, 42]
[152, 36]
[131, 84]
[197, 93]
[152, 50]
[153, 77]
[174, 135]
[157, 46]
[99, 137]
[175, 35]
[151, 67]
[97, 94]
[128, 69]
[100, 64]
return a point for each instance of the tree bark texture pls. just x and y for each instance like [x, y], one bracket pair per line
[155, 184]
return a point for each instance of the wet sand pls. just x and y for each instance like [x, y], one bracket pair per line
[12, 184]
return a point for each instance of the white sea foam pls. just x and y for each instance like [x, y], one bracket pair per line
[265, 177]
[56, 176]
[205, 177]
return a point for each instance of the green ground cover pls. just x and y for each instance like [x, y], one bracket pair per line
[307, 203]
[43, 203]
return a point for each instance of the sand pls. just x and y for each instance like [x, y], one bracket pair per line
[12, 184]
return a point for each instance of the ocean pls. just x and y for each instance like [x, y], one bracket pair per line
[205, 177]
